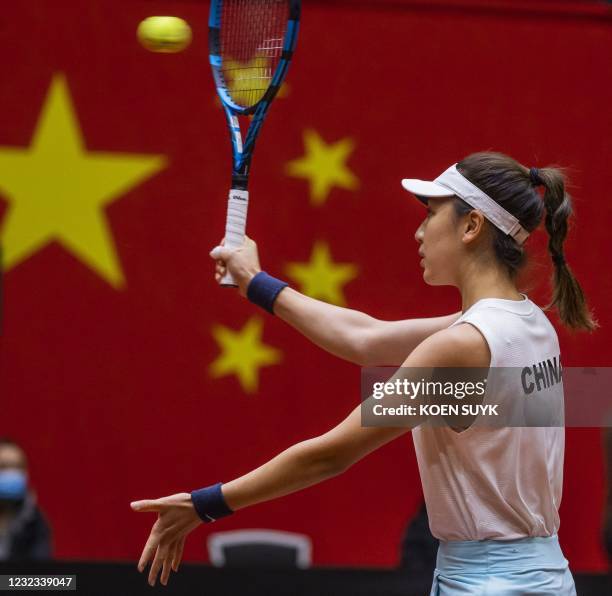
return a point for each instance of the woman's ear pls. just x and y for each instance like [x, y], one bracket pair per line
[473, 226]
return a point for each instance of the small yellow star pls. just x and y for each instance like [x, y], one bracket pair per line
[321, 278]
[57, 190]
[243, 353]
[324, 166]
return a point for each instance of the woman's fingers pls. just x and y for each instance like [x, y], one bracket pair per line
[164, 546]
[162, 562]
[220, 253]
[167, 557]
[178, 555]
[167, 565]
[146, 505]
[220, 270]
[149, 548]
[155, 566]
[172, 554]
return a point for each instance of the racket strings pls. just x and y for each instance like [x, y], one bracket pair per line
[252, 39]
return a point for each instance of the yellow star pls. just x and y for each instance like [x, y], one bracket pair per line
[57, 190]
[322, 278]
[324, 166]
[242, 353]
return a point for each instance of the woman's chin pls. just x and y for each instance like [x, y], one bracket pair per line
[430, 280]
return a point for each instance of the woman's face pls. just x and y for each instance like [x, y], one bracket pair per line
[440, 245]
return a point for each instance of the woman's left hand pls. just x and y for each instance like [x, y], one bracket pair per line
[176, 518]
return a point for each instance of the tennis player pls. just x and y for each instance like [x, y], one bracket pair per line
[492, 494]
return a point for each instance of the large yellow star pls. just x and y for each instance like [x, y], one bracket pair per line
[243, 353]
[57, 190]
[322, 278]
[324, 166]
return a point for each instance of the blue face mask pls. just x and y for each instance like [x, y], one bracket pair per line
[13, 485]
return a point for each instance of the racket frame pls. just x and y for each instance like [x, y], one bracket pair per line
[242, 151]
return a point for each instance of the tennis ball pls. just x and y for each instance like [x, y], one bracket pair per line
[164, 34]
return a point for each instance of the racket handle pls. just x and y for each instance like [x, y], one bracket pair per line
[235, 225]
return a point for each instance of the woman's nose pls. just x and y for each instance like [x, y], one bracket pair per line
[418, 235]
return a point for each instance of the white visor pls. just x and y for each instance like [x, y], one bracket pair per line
[424, 189]
[452, 183]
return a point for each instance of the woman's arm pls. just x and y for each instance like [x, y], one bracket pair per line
[309, 462]
[302, 465]
[328, 455]
[348, 334]
[353, 335]
[306, 463]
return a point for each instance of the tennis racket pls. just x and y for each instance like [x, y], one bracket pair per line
[251, 43]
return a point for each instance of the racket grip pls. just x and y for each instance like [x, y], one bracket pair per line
[235, 225]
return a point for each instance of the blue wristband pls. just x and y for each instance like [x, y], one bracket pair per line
[209, 503]
[264, 289]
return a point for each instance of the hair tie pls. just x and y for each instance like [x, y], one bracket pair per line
[558, 259]
[534, 174]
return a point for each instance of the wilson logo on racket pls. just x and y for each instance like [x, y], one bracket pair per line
[238, 197]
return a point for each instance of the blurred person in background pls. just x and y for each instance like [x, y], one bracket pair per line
[24, 531]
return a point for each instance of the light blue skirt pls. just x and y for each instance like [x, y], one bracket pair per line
[502, 568]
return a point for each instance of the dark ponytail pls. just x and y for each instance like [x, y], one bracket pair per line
[567, 296]
[513, 186]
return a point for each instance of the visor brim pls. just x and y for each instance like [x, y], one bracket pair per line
[424, 189]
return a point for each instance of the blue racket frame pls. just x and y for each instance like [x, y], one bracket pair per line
[242, 151]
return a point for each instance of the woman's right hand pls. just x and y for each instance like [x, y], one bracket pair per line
[242, 263]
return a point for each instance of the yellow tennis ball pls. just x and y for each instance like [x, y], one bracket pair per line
[164, 34]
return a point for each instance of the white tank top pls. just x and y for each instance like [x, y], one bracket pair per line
[499, 483]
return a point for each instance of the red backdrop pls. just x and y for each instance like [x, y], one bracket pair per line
[108, 386]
